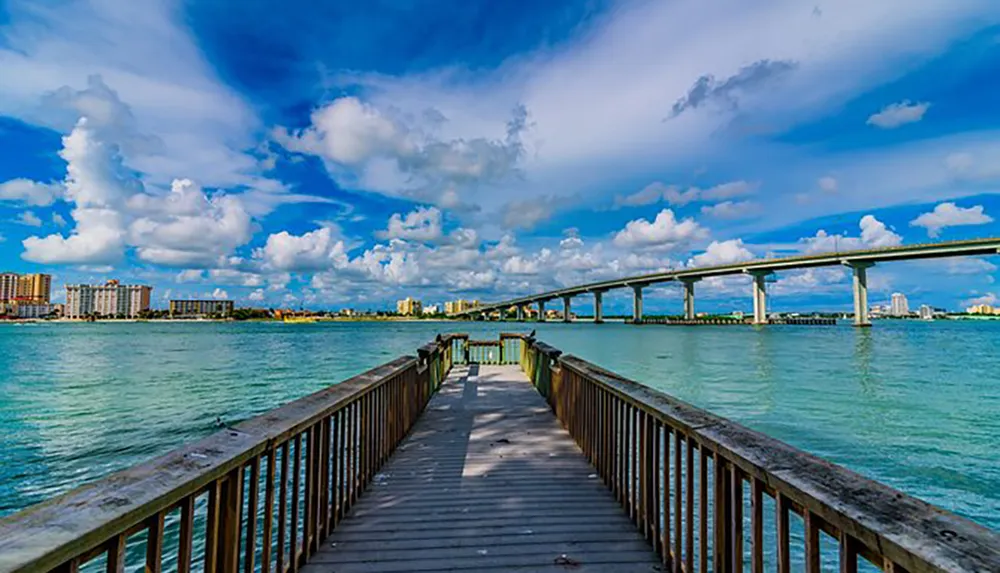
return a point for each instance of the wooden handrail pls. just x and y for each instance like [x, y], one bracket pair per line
[626, 429]
[334, 440]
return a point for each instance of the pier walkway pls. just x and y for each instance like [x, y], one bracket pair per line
[487, 479]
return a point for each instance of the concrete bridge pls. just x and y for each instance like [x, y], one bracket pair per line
[489, 455]
[859, 261]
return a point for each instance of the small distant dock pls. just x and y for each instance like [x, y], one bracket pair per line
[490, 455]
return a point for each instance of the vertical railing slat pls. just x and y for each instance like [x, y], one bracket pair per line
[293, 533]
[689, 491]
[185, 535]
[116, 554]
[282, 509]
[154, 544]
[812, 541]
[757, 526]
[781, 525]
[249, 559]
[702, 509]
[736, 516]
[212, 525]
[679, 441]
[266, 538]
[230, 514]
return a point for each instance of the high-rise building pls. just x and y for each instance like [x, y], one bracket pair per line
[108, 300]
[34, 288]
[195, 308]
[8, 287]
[899, 305]
[460, 305]
[409, 306]
[926, 312]
[982, 309]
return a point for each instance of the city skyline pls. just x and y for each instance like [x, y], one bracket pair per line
[527, 148]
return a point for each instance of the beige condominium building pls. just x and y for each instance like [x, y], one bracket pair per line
[196, 308]
[33, 288]
[111, 299]
[460, 305]
[409, 306]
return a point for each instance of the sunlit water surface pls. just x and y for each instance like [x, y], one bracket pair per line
[912, 404]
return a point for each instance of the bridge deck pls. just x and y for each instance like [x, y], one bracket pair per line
[488, 479]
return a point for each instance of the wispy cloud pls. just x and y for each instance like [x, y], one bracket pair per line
[709, 90]
[899, 114]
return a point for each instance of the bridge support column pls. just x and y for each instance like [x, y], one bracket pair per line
[637, 303]
[689, 297]
[860, 292]
[759, 296]
[541, 311]
[567, 305]
[520, 313]
[598, 307]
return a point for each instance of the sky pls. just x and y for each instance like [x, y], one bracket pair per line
[347, 154]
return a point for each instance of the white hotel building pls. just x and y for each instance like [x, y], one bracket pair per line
[108, 300]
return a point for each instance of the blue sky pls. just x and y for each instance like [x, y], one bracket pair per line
[352, 153]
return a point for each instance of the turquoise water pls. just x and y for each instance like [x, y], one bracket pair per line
[915, 405]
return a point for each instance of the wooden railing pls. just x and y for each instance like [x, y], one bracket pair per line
[261, 495]
[699, 486]
[505, 350]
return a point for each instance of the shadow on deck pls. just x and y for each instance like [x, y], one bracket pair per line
[487, 479]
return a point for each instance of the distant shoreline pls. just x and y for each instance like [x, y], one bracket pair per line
[216, 320]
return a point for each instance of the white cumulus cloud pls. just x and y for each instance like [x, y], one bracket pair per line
[664, 232]
[311, 251]
[721, 253]
[423, 224]
[874, 234]
[30, 192]
[950, 215]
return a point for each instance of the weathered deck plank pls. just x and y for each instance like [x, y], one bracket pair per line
[488, 479]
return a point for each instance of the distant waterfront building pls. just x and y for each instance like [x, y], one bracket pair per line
[32, 310]
[899, 305]
[926, 312]
[108, 300]
[460, 305]
[8, 287]
[35, 288]
[200, 308]
[982, 309]
[409, 306]
[433, 309]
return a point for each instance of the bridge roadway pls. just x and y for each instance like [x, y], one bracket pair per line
[859, 261]
[488, 479]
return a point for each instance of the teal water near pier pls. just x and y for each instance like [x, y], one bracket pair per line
[912, 404]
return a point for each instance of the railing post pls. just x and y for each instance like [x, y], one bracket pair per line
[228, 554]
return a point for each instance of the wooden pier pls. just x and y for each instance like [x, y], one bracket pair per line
[490, 455]
[487, 479]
